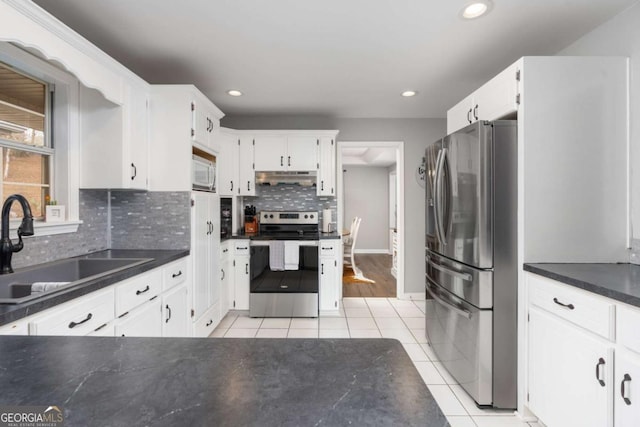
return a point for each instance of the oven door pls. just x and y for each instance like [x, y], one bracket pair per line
[284, 293]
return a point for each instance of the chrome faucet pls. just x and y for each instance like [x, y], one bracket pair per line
[7, 248]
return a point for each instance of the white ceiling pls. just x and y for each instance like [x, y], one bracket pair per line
[328, 57]
[368, 156]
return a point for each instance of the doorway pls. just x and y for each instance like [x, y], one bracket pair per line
[368, 188]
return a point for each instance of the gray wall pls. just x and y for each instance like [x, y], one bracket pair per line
[416, 134]
[620, 36]
[366, 194]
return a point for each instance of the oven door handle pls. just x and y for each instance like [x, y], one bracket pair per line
[464, 313]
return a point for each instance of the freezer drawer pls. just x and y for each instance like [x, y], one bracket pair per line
[468, 283]
[461, 336]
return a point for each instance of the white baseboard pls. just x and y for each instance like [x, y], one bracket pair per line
[373, 251]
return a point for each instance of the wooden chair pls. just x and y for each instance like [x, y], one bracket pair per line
[350, 245]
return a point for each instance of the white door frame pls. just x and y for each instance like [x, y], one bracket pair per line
[399, 148]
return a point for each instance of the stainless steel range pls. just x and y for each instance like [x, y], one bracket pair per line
[284, 265]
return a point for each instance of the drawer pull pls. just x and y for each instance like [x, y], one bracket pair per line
[209, 323]
[569, 306]
[143, 291]
[242, 249]
[168, 314]
[100, 327]
[178, 274]
[624, 391]
[74, 324]
[598, 375]
[326, 249]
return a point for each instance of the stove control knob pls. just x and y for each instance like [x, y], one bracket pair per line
[306, 216]
[311, 216]
[271, 216]
[266, 216]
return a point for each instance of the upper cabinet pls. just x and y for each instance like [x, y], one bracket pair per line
[236, 174]
[498, 98]
[326, 185]
[206, 121]
[114, 139]
[285, 153]
[179, 120]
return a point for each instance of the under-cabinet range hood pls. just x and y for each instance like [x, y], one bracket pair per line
[305, 178]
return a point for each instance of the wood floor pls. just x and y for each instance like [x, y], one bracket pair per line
[375, 267]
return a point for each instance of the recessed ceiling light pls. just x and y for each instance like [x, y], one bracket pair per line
[408, 93]
[234, 92]
[476, 9]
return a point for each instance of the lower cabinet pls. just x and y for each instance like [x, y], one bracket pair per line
[330, 283]
[207, 322]
[627, 389]
[241, 275]
[21, 327]
[143, 321]
[226, 277]
[175, 312]
[569, 370]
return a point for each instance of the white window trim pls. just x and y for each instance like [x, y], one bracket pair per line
[65, 174]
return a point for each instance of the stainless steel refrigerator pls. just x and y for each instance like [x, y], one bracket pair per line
[471, 262]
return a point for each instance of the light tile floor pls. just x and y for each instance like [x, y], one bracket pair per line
[380, 318]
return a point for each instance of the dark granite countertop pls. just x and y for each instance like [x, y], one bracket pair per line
[217, 381]
[12, 312]
[620, 282]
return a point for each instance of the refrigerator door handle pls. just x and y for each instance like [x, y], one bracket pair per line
[438, 196]
[464, 313]
[445, 270]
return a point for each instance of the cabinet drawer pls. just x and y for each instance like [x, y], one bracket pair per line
[144, 321]
[137, 290]
[241, 247]
[15, 328]
[225, 249]
[205, 325]
[174, 274]
[328, 249]
[575, 305]
[627, 321]
[104, 330]
[78, 317]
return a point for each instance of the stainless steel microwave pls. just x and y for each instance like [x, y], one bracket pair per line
[203, 174]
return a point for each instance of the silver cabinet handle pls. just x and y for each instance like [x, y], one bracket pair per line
[464, 313]
[445, 270]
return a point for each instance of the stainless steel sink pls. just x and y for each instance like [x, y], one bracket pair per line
[17, 287]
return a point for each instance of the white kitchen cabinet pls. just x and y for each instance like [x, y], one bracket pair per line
[205, 246]
[498, 98]
[627, 389]
[144, 321]
[227, 294]
[570, 373]
[206, 121]
[326, 185]
[137, 290]
[329, 275]
[173, 134]
[204, 326]
[115, 139]
[228, 164]
[105, 330]
[175, 273]
[286, 153]
[175, 312]
[246, 170]
[19, 327]
[80, 316]
[241, 275]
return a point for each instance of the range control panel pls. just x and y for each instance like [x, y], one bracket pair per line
[288, 217]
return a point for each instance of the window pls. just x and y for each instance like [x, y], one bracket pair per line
[25, 142]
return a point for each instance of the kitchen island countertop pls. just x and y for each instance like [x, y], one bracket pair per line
[620, 282]
[217, 381]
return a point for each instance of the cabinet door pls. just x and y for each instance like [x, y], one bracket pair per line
[270, 153]
[328, 284]
[137, 138]
[200, 126]
[327, 168]
[145, 321]
[247, 171]
[228, 164]
[570, 373]
[627, 389]
[302, 153]
[20, 327]
[460, 115]
[200, 231]
[242, 281]
[497, 98]
[175, 312]
[214, 251]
